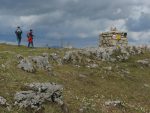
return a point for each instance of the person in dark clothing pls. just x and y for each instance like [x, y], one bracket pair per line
[30, 38]
[18, 33]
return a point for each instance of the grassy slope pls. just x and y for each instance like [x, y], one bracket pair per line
[98, 87]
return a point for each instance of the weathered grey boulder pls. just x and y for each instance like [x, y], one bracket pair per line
[37, 94]
[28, 99]
[3, 101]
[26, 65]
[55, 57]
[41, 62]
[33, 63]
[73, 57]
[44, 87]
[122, 58]
[144, 62]
[67, 56]
[45, 54]
[100, 53]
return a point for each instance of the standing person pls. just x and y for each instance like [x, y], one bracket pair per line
[30, 38]
[18, 33]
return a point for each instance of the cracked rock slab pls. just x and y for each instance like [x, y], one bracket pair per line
[37, 94]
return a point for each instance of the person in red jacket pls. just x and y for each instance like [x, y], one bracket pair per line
[30, 38]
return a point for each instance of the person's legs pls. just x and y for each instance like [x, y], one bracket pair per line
[28, 44]
[19, 41]
[32, 44]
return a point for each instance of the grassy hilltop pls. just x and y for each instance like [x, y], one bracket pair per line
[85, 90]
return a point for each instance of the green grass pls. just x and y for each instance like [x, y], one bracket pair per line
[97, 87]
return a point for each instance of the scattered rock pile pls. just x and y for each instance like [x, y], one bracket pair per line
[41, 62]
[87, 56]
[37, 94]
[92, 55]
[72, 57]
[32, 63]
[3, 103]
[56, 58]
[144, 62]
[26, 65]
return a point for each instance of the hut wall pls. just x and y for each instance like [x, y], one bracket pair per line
[109, 39]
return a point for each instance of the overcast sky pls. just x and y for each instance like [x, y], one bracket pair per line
[78, 22]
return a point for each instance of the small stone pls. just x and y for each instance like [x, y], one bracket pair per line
[45, 54]
[125, 72]
[82, 76]
[146, 85]
[113, 103]
[81, 110]
[3, 66]
[77, 66]
[93, 65]
[19, 57]
[108, 68]
[54, 56]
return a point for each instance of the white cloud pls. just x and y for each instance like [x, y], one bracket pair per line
[82, 35]
[29, 20]
[139, 37]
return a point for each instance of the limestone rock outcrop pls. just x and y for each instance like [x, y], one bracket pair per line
[37, 94]
[34, 63]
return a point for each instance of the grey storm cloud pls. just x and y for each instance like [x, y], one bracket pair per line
[140, 24]
[74, 18]
[26, 7]
[92, 9]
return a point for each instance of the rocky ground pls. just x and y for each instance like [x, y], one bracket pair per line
[89, 80]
